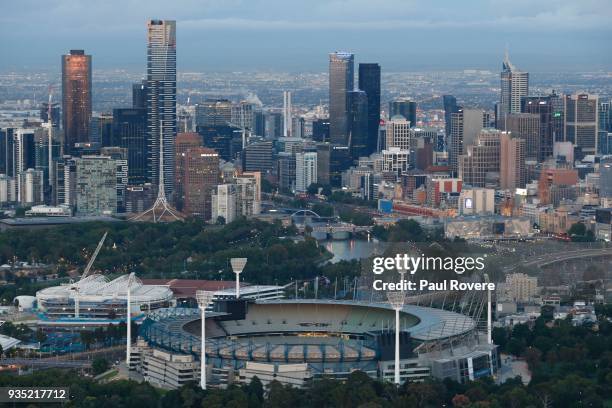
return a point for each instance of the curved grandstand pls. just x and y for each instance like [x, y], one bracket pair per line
[329, 337]
[97, 297]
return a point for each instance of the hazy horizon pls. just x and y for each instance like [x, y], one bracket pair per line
[288, 36]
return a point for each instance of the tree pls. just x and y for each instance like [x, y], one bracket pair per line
[220, 220]
[99, 366]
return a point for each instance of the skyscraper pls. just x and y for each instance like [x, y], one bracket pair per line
[512, 161]
[525, 126]
[139, 94]
[358, 124]
[369, 82]
[466, 125]
[184, 142]
[404, 107]
[551, 110]
[213, 112]
[305, 170]
[450, 107]
[581, 124]
[514, 86]
[130, 130]
[76, 98]
[287, 115]
[96, 185]
[341, 80]
[201, 175]
[479, 166]
[161, 99]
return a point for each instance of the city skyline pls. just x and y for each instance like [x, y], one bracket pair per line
[239, 35]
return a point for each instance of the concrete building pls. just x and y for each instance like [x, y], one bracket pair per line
[305, 170]
[512, 172]
[31, 190]
[466, 125]
[525, 126]
[477, 201]
[395, 160]
[581, 122]
[514, 86]
[168, 370]
[183, 142]
[521, 287]
[96, 185]
[223, 203]
[201, 175]
[479, 166]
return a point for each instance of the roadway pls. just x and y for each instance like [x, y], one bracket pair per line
[548, 259]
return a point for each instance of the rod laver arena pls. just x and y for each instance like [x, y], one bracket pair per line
[294, 341]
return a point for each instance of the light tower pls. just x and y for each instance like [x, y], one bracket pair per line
[489, 317]
[396, 300]
[238, 265]
[204, 298]
[128, 318]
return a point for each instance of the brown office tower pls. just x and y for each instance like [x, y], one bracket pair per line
[512, 161]
[76, 98]
[557, 184]
[183, 142]
[201, 175]
[525, 126]
[479, 166]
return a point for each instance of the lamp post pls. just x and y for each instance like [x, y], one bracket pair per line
[204, 298]
[128, 319]
[396, 300]
[238, 265]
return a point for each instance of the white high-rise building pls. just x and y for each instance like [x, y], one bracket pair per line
[514, 86]
[7, 189]
[31, 187]
[224, 203]
[249, 193]
[398, 133]
[287, 115]
[395, 160]
[305, 170]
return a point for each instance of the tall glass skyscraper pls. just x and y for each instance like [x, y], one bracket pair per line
[358, 124]
[161, 99]
[369, 82]
[404, 107]
[76, 98]
[341, 82]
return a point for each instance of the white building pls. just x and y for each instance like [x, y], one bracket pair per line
[476, 201]
[520, 287]
[305, 170]
[395, 160]
[224, 202]
[31, 187]
[8, 191]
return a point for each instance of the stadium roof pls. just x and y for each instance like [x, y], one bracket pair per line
[99, 288]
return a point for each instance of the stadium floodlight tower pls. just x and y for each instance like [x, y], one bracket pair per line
[204, 298]
[396, 300]
[128, 318]
[238, 265]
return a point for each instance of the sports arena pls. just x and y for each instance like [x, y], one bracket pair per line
[96, 298]
[295, 341]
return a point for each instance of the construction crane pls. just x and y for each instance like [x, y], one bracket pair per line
[75, 285]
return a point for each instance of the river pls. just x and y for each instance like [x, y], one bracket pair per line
[353, 249]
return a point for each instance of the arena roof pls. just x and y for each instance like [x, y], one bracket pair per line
[98, 288]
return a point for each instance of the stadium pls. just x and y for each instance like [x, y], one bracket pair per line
[95, 298]
[297, 340]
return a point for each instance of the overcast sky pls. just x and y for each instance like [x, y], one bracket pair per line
[289, 35]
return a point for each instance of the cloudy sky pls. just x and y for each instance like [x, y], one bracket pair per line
[290, 35]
